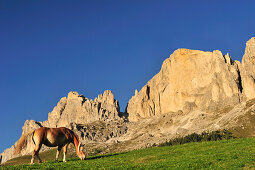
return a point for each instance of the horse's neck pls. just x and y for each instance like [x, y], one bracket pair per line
[76, 141]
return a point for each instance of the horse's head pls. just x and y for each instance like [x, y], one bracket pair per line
[80, 152]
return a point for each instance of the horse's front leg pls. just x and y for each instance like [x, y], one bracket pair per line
[65, 151]
[58, 152]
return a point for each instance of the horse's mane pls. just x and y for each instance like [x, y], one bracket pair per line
[75, 137]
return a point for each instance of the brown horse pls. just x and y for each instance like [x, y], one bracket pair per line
[52, 137]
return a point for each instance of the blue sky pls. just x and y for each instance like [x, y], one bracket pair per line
[49, 48]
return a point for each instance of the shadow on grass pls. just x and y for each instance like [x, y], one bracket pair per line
[26, 160]
[105, 156]
[96, 157]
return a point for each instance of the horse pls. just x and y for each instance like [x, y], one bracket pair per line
[52, 137]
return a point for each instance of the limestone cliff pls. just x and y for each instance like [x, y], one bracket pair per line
[248, 69]
[79, 109]
[192, 79]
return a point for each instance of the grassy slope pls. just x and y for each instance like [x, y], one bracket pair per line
[234, 154]
[45, 156]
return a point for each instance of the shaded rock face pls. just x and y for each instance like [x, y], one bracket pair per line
[99, 131]
[192, 79]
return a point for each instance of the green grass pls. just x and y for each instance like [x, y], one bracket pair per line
[226, 154]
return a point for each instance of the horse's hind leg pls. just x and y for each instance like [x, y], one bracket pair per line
[36, 152]
[58, 151]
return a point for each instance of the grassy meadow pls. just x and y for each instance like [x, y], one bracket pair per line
[225, 154]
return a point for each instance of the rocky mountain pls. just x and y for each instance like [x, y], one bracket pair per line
[192, 79]
[194, 91]
[78, 109]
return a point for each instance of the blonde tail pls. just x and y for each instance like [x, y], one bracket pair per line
[23, 139]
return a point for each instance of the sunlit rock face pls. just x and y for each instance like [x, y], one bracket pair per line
[78, 109]
[193, 79]
[248, 71]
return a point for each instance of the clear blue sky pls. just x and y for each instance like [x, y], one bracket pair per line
[48, 48]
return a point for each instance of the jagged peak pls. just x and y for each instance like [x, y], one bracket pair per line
[249, 50]
[72, 94]
[184, 54]
[251, 41]
[106, 93]
[228, 59]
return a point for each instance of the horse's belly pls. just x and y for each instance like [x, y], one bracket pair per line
[53, 141]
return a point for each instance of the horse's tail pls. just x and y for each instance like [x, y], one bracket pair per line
[23, 139]
[33, 136]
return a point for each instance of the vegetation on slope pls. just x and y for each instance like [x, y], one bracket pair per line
[233, 153]
[204, 136]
